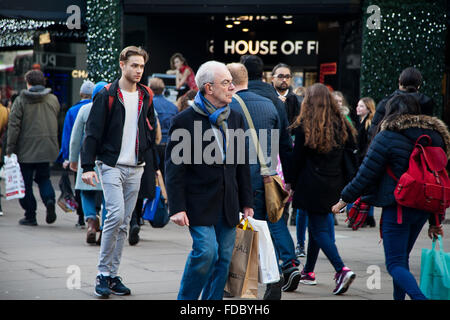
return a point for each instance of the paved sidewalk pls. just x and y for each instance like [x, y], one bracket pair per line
[43, 262]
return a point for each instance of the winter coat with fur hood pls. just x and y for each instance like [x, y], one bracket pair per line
[393, 146]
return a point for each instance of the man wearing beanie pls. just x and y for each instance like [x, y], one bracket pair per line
[86, 96]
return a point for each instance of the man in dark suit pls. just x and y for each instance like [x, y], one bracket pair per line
[207, 191]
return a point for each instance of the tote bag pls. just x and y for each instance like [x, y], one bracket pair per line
[435, 272]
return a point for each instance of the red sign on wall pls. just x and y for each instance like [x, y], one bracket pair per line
[327, 69]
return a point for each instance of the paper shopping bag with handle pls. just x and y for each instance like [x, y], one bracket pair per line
[243, 273]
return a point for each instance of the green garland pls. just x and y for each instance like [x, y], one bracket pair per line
[412, 33]
[103, 39]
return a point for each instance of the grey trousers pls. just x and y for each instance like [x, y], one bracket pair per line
[120, 188]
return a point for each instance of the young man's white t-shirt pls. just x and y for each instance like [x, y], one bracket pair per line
[128, 149]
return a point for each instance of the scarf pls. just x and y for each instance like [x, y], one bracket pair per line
[217, 116]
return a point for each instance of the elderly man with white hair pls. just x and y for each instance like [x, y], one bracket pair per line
[203, 195]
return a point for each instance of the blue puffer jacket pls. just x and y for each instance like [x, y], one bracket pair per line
[392, 146]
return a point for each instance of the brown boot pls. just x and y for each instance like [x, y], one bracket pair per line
[91, 230]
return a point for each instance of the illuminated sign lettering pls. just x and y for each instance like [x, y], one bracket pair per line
[271, 47]
[79, 74]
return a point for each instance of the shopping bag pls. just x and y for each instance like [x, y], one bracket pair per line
[14, 184]
[268, 265]
[435, 272]
[155, 210]
[66, 200]
[243, 273]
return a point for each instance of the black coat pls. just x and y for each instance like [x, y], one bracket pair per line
[148, 179]
[317, 179]
[392, 146]
[426, 106]
[293, 104]
[363, 139]
[104, 128]
[203, 190]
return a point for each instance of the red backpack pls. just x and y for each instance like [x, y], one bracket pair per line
[425, 185]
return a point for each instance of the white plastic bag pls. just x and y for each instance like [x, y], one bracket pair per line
[268, 265]
[14, 185]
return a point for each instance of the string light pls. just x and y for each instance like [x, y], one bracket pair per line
[408, 37]
[103, 39]
[20, 32]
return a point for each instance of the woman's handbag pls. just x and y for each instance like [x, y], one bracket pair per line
[275, 194]
[358, 213]
[435, 272]
[243, 272]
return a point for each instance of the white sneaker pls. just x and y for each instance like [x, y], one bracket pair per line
[1, 213]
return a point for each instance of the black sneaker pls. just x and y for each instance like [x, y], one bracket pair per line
[273, 290]
[102, 286]
[370, 221]
[51, 214]
[133, 237]
[117, 287]
[291, 276]
[27, 222]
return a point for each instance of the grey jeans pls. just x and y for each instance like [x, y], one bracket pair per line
[120, 188]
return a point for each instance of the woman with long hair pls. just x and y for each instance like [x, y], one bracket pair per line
[388, 157]
[321, 134]
[185, 77]
[365, 110]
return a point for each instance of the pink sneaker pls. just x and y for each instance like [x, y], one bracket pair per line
[344, 279]
[308, 278]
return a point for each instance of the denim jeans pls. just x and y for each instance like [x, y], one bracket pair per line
[40, 172]
[120, 189]
[321, 236]
[301, 222]
[89, 203]
[208, 263]
[398, 241]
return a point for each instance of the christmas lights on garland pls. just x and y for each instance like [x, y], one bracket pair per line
[412, 33]
[20, 32]
[103, 39]
[23, 32]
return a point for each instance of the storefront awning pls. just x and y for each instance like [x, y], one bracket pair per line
[39, 10]
[243, 6]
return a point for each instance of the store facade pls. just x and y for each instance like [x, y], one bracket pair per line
[321, 42]
[36, 35]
